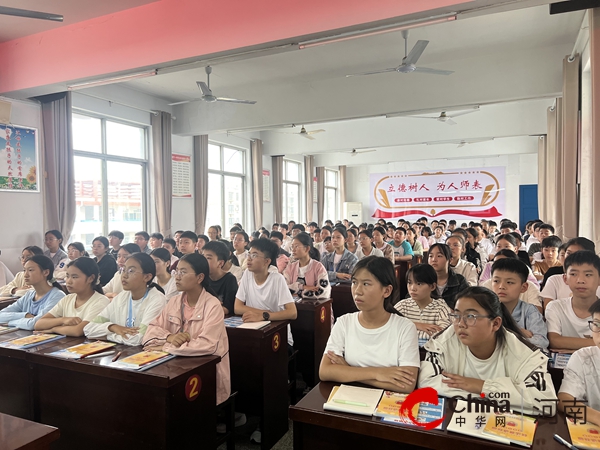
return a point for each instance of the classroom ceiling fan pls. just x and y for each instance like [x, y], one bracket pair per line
[461, 142]
[446, 118]
[409, 61]
[307, 134]
[356, 151]
[208, 96]
[28, 14]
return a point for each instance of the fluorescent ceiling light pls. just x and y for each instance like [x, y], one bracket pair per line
[104, 81]
[379, 30]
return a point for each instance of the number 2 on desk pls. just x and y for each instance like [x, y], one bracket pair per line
[192, 387]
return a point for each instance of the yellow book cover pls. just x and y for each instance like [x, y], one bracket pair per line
[584, 435]
[389, 406]
[91, 348]
[33, 339]
[143, 358]
[516, 428]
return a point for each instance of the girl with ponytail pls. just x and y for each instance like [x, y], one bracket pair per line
[306, 276]
[25, 312]
[484, 352]
[126, 318]
[84, 302]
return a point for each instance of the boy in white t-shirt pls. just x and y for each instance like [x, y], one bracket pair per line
[580, 385]
[568, 318]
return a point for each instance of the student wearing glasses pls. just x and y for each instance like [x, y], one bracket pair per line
[484, 352]
[18, 286]
[53, 240]
[126, 318]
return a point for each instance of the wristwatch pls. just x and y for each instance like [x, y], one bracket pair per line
[266, 316]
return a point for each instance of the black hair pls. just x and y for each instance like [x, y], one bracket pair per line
[444, 249]
[234, 229]
[551, 242]
[45, 263]
[267, 233]
[299, 226]
[116, 233]
[268, 248]
[517, 237]
[380, 230]
[178, 231]
[424, 273]
[353, 232]
[327, 227]
[317, 230]
[255, 235]
[244, 235]
[79, 247]
[58, 235]
[189, 235]
[452, 222]
[89, 267]
[507, 253]
[537, 224]
[508, 238]
[103, 240]
[275, 225]
[342, 231]
[157, 236]
[131, 248]
[162, 254]
[367, 233]
[493, 307]
[204, 237]
[585, 243]
[277, 235]
[304, 239]
[426, 230]
[492, 223]
[400, 229]
[508, 224]
[383, 270]
[327, 239]
[595, 308]
[284, 226]
[219, 249]
[145, 235]
[583, 257]
[313, 224]
[171, 242]
[34, 249]
[458, 236]
[460, 231]
[199, 265]
[512, 265]
[148, 266]
[546, 226]
[473, 232]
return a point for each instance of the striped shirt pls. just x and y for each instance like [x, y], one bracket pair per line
[435, 313]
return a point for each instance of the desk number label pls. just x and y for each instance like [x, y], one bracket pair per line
[323, 314]
[192, 387]
[276, 342]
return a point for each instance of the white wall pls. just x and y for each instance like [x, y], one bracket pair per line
[23, 212]
[520, 169]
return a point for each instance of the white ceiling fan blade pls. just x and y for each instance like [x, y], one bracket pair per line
[204, 88]
[307, 136]
[433, 71]
[462, 144]
[449, 121]
[415, 52]
[4, 10]
[465, 112]
[375, 72]
[180, 103]
[421, 117]
[235, 100]
[315, 131]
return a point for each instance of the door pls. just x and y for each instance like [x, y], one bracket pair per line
[528, 204]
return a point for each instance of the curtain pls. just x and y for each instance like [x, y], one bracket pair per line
[163, 174]
[278, 189]
[543, 184]
[57, 138]
[256, 151]
[549, 212]
[342, 189]
[320, 194]
[200, 182]
[568, 214]
[594, 167]
[309, 162]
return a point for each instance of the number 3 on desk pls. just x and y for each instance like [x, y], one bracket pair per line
[192, 387]
[276, 341]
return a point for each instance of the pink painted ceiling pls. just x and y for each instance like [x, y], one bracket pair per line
[172, 30]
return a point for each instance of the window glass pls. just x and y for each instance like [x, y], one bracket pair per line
[88, 200]
[233, 201]
[292, 171]
[233, 160]
[214, 157]
[125, 140]
[87, 134]
[125, 199]
[214, 210]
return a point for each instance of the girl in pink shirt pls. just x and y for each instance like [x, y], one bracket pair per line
[192, 322]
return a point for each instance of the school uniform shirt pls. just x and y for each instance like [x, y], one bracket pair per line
[541, 267]
[531, 295]
[204, 323]
[345, 264]
[487, 245]
[108, 267]
[440, 240]
[561, 319]
[557, 270]
[424, 242]
[374, 252]
[117, 311]
[530, 241]
[60, 273]
[313, 274]
[513, 368]
[15, 314]
[226, 289]
[404, 249]
[557, 288]
[272, 295]
[170, 288]
[86, 312]
[242, 259]
[529, 317]
[237, 272]
[114, 286]
[581, 377]
[395, 344]
[435, 313]
[18, 282]
[467, 270]
[57, 257]
[487, 274]
[287, 243]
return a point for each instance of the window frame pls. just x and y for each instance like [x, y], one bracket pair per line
[285, 183]
[336, 192]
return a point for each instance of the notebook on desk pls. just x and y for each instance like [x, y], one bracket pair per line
[237, 322]
[31, 341]
[143, 360]
[82, 350]
[354, 400]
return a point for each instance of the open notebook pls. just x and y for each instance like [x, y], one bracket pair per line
[352, 399]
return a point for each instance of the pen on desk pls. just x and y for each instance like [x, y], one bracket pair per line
[565, 443]
[117, 356]
[97, 355]
[349, 402]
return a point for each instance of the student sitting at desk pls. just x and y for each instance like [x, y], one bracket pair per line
[449, 283]
[223, 284]
[484, 352]
[115, 286]
[376, 345]
[192, 322]
[74, 250]
[107, 264]
[85, 301]
[306, 276]
[126, 318]
[340, 262]
[18, 285]
[162, 259]
[54, 242]
[25, 312]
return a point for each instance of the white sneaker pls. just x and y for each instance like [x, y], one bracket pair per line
[240, 419]
[255, 437]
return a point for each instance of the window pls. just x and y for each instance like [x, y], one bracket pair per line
[226, 182]
[331, 195]
[291, 191]
[110, 167]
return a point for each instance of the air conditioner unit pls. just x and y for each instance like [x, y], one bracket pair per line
[353, 212]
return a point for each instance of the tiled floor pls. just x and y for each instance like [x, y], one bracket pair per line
[242, 441]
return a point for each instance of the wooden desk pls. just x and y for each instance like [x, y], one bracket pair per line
[20, 434]
[311, 331]
[343, 303]
[400, 269]
[316, 429]
[4, 302]
[112, 408]
[259, 372]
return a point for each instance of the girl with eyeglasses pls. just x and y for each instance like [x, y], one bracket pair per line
[192, 322]
[126, 318]
[367, 247]
[115, 287]
[484, 352]
[305, 275]
[74, 250]
[53, 240]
